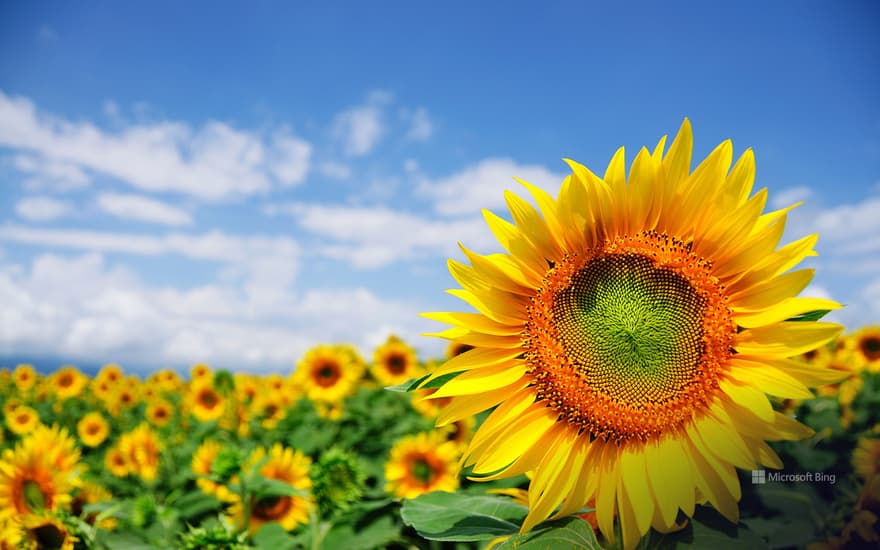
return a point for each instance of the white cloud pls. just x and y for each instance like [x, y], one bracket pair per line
[210, 162]
[115, 316]
[137, 207]
[482, 185]
[374, 237]
[335, 170]
[420, 126]
[789, 196]
[51, 174]
[857, 224]
[41, 209]
[361, 128]
[269, 261]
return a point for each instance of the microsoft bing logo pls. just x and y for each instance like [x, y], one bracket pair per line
[759, 477]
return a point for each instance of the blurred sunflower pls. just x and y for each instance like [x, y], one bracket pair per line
[42, 532]
[111, 373]
[866, 346]
[141, 448]
[200, 371]
[58, 447]
[327, 374]
[90, 492]
[629, 337]
[22, 420]
[166, 380]
[68, 382]
[204, 401]
[24, 377]
[92, 429]
[420, 464]
[159, 412]
[283, 464]
[202, 464]
[116, 463]
[394, 362]
[30, 483]
[460, 431]
[123, 396]
[866, 457]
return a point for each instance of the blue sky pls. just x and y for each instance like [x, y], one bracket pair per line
[234, 183]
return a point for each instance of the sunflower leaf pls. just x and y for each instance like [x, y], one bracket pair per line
[570, 532]
[810, 315]
[462, 518]
[416, 383]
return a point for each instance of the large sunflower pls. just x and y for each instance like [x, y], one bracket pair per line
[327, 374]
[628, 338]
[282, 464]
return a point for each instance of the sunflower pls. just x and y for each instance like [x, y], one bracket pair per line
[22, 420]
[123, 396]
[88, 493]
[43, 531]
[25, 377]
[628, 338]
[58, 447]
[204, 401]
[111, 372]
[30, 483]
[202, 463]
[68, 382]
[291, 467]
[394, 362]
[141, 450]
[420, 464]
[200, 371]
[92, 429]
[866, 457]
[866, 345]
[116, 462]
[327, 374]
[165, 380]
[159, 412]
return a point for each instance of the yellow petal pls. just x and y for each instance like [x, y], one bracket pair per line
[748, 397]
[767, 379]
[786, 309]
[786, 339]
[482, 379]
[634, 474]
[773, 291]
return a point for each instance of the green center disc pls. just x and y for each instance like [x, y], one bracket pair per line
[632, 329]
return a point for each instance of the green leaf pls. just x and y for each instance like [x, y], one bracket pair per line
[707, 529]
[810, 315]
[415, 383]
[273, 537]
[455, 517]
[376, 534]
[570, 532]
[196, 503]
[265, 487]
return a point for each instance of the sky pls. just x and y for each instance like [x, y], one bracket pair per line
[235, 183]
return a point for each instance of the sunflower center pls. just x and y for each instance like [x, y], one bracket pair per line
[272, 508]
[626, 340]
[208, 399]
[34, 499]
[49, 536]
[93, 429]
[396, 363]
[871, 347]
[327, 374]
[422, 471]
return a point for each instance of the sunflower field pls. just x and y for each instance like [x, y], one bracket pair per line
[329, 458]
[637, 371]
